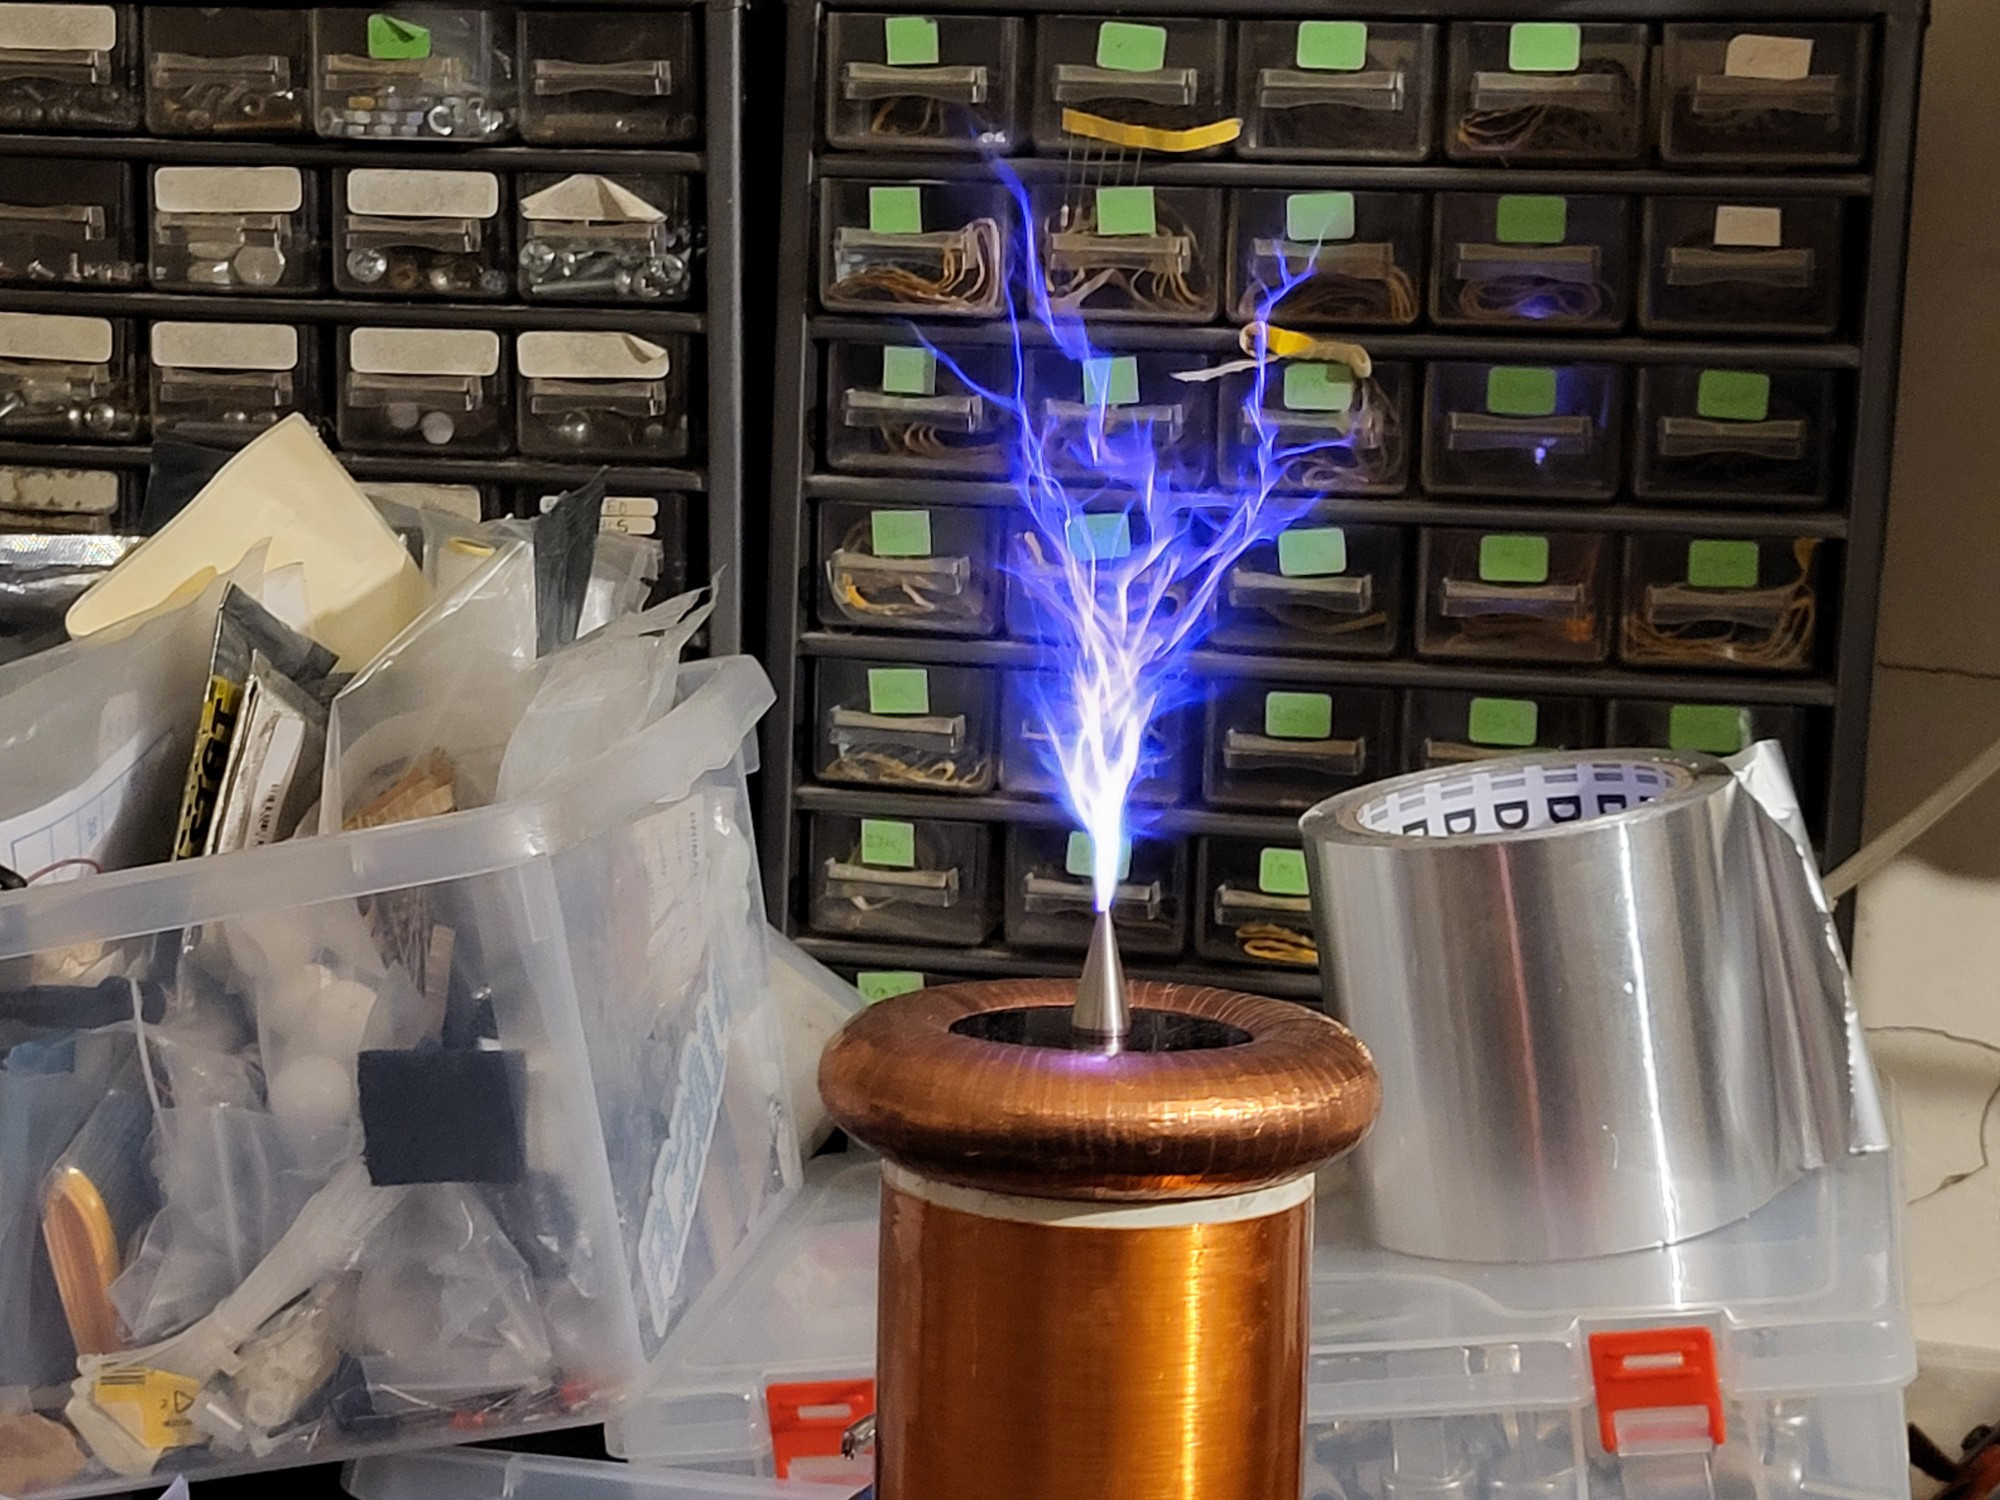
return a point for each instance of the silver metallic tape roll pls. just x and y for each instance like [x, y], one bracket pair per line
[1604, 994]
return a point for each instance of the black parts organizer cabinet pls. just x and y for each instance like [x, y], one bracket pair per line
[224, 196]
[1630, 275]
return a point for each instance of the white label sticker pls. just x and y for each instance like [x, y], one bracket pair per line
[79, 492]
[228, 190]
[1782, 59]
[589, 356]
[424, 351]
[1750, 228]
[626, 507]
[52, 336]
[59, 28]
[590, 199]
[225, 346]
[391, 193]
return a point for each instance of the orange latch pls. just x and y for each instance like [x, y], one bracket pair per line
[1664, 1380]
[809, 1419]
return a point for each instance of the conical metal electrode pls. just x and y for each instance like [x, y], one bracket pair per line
[1102, 1014]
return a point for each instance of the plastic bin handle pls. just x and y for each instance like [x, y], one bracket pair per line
[1662, 1382]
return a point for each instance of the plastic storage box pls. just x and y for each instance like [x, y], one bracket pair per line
[1546, 91]
[235, 229]
[588, 237]
[885, 567]
[1130, 253]
[1745, 437]
[422, 72]
[415, 390]
[1764, 94]
[1446, 728]
[1336, 90]
[453, 1117]
[1163, 75]
[1135, 392]
[603, 395]
[222, 384]
[1027, 757]
[1341, 259]
[68, 223]
[223, 71]
[1515, 596]
[1049, 899]
[1532, 260]
[1329, 432]
[1535, 432]
[1251, 903]
[1270, 745]
[912, 408]
[1317, 587]
[470, 1474]
[921, 880]
[421, 233]
[1730, 602]
[69, 378]
[922, 83]
[70, 67]
[918, 249]
[906, 725]
[1743, 266]
[609, 77]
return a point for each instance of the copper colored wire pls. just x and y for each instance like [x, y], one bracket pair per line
[1330, 299]
[1785, 643]
[1505, 298]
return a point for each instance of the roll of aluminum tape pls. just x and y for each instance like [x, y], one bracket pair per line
[1604, 994]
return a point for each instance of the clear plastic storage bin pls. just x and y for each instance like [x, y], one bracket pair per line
[592, 238]
[1318, 587]
[1446, 728]
[1253, 904]
[226, 70]
[69, 379]
[1533, 432]
[222, 384]
[415, 390]
[924, 83]
[1325, 90]
[235, 229]
[420, 233]
[1158, 74]
[68, 223]
[609, 77]
[906, 727]
[917, 408]
[1278, 745]
[1708, 602]
[918, 249]
[1344, 435]
[1349, 259]
[470, 1474]
[1532, 260]
[1750, 437]
[603, 395]
[402, 1199]
[1515, 596]
[1129, 252]
[1027, 752]
[1730, 266]
[420, 72]
[1768, 93]
[70, 67]
[1037, 572]
[910, 568]
[924, 880]
[1708, 728]
[1051, 903]
[1134, 402]
[1546, 91]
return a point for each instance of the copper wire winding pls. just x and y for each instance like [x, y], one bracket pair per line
[1269, 942]
[1549, 129]
[1784, 644]
[970, 278]
[1169, 292]
[1373, 453]
[904, 599]
[1503, 298]
[1329, 298]
[881, 768]
[932, 123]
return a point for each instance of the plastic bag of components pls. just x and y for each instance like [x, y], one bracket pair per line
[41, 575]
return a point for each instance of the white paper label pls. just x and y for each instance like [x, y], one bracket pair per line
[78, 492]
[589, 356]
[394, 194]
[228, 190]
[1782, 59]
[59, 28]
[1751, 228]
[225, 346]
[626, 507]
[52, 336]
[629, 525]
[424, 351]
[587, 198]
[86, 822]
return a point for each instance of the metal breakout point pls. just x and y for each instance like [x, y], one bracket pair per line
[1102, 1014]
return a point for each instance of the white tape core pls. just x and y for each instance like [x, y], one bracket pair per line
[1518, 798]
[1234, 1209]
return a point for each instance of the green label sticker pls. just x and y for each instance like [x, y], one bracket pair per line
[1509, 722]
[1722, 565]
[1282, 872]
[391, 39]
[1126, 210]
[1113, 381]
[1333, 46]
[896, 210]
[1513, 559]
[1713, 728]
[1318, 387]
[1521, 391]
[910, 41]
[908, 370]
[887, 984]
[888, 843]
[1544, 46]
[1531, 219]
[1298, 716]
[899, 690]
[1126, 47]
[1318, 218]
[1312, 552]
[1080, 857]
[1733, 396]
[900, 533]
[1100, 538]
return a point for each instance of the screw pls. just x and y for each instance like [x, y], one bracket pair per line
[367, 266]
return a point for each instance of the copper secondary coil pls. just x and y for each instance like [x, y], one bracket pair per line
[1095, 1260]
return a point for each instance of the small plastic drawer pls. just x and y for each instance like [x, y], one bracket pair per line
[1532, 260]
[235, 229]
[1547, 91]
[917, 879]
[1717, 265]
[1130, 253]
[1114, 417]
[924, 83]
[624, 238]
[1546, 432]
[1774, 93]
[604, 395]
[1710, 728]
[1273, 745]
[1101, 544]
[1253, 904]
[1446, 728]
[1317, 588]
[466, 502]
[1027, 751]
[418, 390]
[70, 67]
[921, 249]
[68, 223]
[421, 72]
[1330, 259]
[69, 379]
[1161, 75]
[420, 233]
[1722, 602]
[1329, 432]
[914, 728]
[1513, 596]
[226, 70]
[609, 77]
[904, 568]
[914, 409]
[1337, 90]
[222, 384]
[92, 501]
[1050, 903]
[1751, 437]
